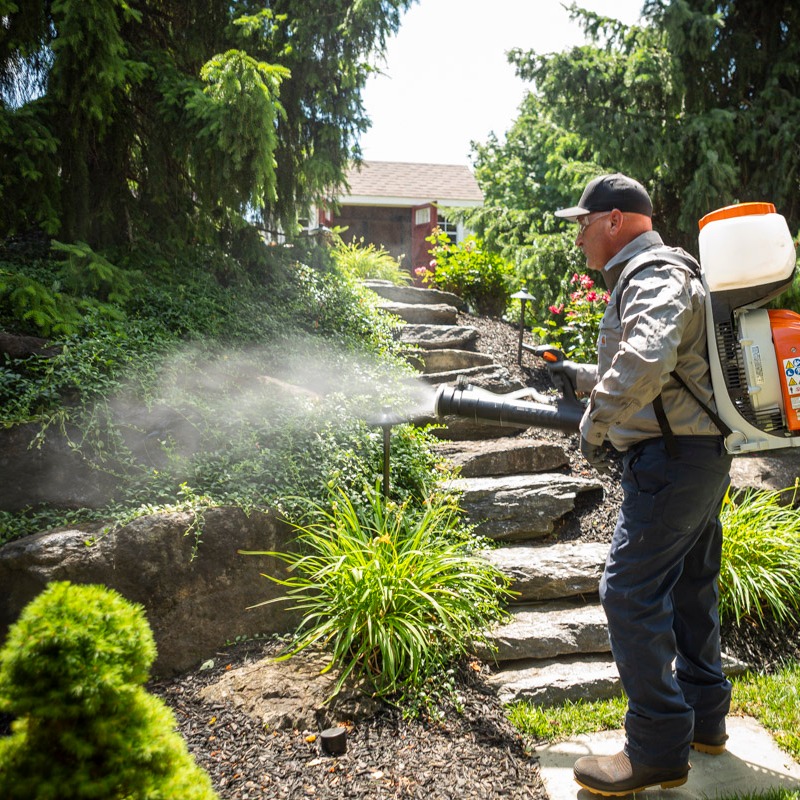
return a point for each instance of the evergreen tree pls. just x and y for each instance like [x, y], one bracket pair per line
[700, 103]
[123, 122]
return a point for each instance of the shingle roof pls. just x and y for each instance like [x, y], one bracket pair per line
[418, 183]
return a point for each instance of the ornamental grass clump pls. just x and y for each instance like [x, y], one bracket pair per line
[388, 592]
[71, 674]
[760, 573]
[366, 261]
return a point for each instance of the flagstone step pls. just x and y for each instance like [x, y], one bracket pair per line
[492, 377]
[549, 629]
[437, 337]
[518, 507]
[414, 294]
[553, 681]
[414, 313]
[548, 682]
[503, 457]
[550, 571]
[447, 360]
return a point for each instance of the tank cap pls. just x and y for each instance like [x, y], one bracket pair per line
[738, 210]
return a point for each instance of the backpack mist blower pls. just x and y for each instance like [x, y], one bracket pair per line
[747, 258]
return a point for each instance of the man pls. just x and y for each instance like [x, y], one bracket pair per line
[650, 396]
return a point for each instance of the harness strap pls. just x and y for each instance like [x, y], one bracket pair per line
[633, 267]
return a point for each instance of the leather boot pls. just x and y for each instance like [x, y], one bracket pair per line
[712, 743]
[616, 775]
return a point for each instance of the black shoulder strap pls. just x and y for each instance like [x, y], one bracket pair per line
[650, 258]
[632, 268]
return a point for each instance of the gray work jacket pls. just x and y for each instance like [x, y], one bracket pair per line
[661, 327]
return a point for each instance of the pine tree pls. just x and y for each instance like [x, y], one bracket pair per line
[701, 103]
[128, 122]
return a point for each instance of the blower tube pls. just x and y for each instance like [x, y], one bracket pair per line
[465, 400]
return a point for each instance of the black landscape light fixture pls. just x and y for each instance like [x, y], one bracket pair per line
[523, 295]
[385, 420]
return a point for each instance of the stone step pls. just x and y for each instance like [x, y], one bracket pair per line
[548, 682]
[464, 429]
[434, 314]
[479, 459]
[517, 507]
[414, 294]
[438, 337]
[553, 681]
[550, 629]
[447, 360]
[491, 375]
[551, 571]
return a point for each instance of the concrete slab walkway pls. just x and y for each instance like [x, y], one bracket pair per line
[752, 763]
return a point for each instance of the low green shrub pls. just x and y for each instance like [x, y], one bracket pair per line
[482, 279]
[760, 558]
[71, 673]
[387, 590]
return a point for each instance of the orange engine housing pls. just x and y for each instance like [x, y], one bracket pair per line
[785, 327]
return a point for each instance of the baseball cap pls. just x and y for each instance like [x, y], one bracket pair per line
[607, 193]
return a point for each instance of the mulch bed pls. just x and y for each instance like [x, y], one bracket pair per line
[468, 753]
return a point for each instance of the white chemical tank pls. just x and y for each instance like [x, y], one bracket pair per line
[745, 245]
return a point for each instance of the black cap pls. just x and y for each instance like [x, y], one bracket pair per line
[607, 193]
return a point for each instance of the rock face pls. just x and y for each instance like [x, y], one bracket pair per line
[50, 473]
[193, 604]
[282, 695]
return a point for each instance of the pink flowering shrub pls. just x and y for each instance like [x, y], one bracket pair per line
[575, 324]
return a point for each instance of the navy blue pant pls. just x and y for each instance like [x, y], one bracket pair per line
[659, 592]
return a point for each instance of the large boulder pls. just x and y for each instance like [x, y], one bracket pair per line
[195, 586]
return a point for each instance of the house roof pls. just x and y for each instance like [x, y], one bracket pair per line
[393, 183]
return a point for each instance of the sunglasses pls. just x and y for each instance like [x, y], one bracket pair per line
[585, 223]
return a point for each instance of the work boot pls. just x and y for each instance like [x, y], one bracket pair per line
[711, 743]
[611, 776]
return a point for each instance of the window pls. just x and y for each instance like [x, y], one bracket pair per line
[450, 229]
[422, 216]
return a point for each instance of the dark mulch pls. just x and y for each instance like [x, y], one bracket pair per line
[468, 753]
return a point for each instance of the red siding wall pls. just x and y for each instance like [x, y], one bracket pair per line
[381, 226]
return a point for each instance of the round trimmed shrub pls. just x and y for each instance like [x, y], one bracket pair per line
[71, 673]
